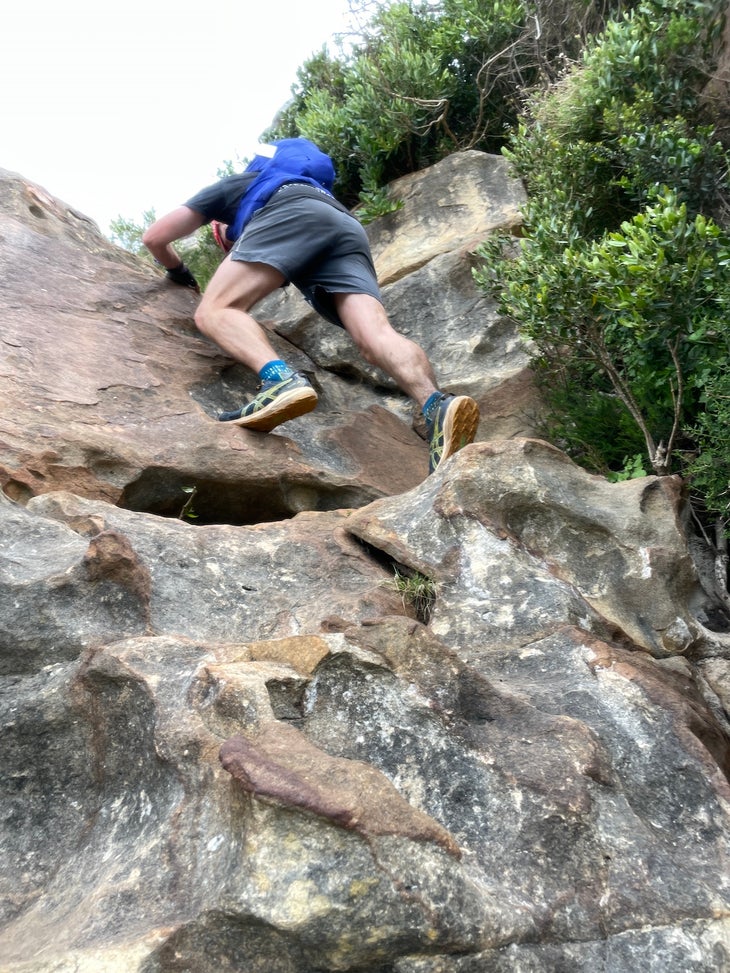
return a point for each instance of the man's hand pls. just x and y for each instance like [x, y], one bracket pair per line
[182, 276]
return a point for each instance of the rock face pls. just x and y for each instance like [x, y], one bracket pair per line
[109, 391]
[235, 744]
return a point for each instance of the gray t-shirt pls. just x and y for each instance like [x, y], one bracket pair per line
[221, 200]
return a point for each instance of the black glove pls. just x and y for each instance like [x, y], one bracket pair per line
[182, 276]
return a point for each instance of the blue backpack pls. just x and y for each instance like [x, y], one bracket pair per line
[295, 160]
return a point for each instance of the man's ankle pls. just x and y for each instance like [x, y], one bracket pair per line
[275, 371]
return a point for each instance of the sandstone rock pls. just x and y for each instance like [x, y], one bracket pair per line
[582, 781]
[549, 544]
[537, 779]
[466, 196]
[281, 766]
[108, 390]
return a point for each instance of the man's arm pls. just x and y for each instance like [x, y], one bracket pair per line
[159, 237]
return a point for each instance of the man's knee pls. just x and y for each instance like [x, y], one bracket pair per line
[203, 316]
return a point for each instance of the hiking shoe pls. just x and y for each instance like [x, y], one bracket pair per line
[274, 403]
[453, 424]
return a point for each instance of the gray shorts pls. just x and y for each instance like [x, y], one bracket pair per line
[317, 246]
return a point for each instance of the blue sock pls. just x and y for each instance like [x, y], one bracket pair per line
[429, 403]
[275, 371]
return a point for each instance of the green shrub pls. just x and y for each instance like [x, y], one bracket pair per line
[708, 467]
[416, 591]
[639, 306]
[428, 79]
[621, 281]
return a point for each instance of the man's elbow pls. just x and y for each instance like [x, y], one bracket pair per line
[152, 237]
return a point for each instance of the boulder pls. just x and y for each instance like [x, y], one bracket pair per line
[283, 703]
[108, 390]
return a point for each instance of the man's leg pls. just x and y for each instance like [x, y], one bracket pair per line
[451, 420]
[367, 324]
[223, 316]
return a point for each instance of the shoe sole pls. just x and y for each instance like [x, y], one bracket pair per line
[460, 427]
[286, 406]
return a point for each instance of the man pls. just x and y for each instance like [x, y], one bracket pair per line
[284, 226]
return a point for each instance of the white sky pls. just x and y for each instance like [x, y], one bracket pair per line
[120, 108]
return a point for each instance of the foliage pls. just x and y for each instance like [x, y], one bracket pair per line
[375, 203]
[633, 469]
[427, 79]
[708, 468]
[187, 511]
[415, 590]
[621, 281]
[128, 234]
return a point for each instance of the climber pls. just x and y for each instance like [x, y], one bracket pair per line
[282, 225]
